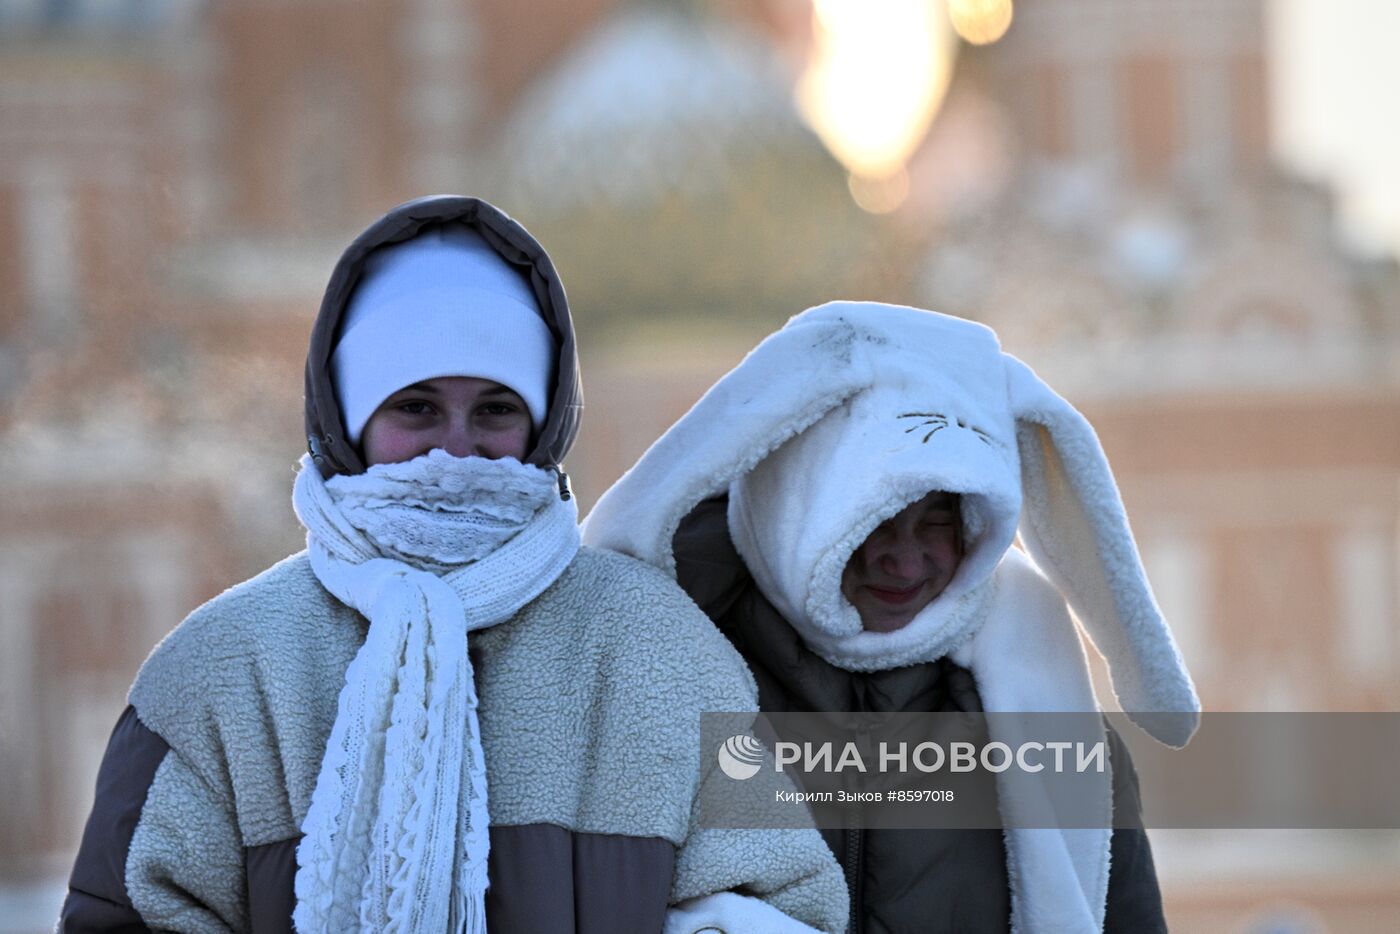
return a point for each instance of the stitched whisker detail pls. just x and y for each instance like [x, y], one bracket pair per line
[936, 422]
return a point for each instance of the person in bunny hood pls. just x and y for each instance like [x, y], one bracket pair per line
[444, 714]
[843, 504]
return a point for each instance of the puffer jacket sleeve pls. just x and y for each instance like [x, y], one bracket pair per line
[161, 848]
[1134, 899]
[98, 899]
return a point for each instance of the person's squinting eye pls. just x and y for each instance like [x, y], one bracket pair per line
[415, 407]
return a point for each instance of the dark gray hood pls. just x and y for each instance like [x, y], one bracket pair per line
[325, 430]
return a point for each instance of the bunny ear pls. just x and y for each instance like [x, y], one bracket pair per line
[1074, 525]
[784, 385]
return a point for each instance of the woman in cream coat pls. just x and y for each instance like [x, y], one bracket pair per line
[444, 690]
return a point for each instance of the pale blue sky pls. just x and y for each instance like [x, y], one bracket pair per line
[1337, 106]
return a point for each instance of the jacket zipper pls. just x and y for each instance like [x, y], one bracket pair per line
[851, 864]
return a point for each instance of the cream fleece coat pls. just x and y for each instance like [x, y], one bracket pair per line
[590, 704]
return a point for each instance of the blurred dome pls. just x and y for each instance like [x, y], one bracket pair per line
[654, 100]
[664, 164]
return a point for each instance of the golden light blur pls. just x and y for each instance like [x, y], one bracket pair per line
[880, 195]
[877, 76]
[980, 22]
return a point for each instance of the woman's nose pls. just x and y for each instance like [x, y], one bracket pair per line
[903, 558]
[460, 441]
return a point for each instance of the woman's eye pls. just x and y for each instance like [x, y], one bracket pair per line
[415, 407]
[498, 409]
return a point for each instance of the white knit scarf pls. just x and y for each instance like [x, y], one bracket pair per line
[428, 550]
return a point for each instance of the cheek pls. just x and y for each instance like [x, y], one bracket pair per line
[509, 442]
[944, 551]
[515, 443]
[385, 443]
[949, 559]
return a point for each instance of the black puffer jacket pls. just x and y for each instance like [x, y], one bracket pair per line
[901, 881]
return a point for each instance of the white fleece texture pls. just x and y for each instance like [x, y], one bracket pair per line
[167, 861]
[856, 409]
[934, 419]
[1027, 658]
[730, 913]
[593, 689]
[817, 447]
[743, 417]
[1076, 528]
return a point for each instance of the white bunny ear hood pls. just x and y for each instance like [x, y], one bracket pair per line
[853, 411]
[932, 417]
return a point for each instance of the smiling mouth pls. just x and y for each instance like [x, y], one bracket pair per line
[896, 597]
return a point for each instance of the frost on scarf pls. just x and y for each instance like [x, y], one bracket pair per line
[427, 550]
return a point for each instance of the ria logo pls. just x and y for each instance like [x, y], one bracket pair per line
[740, 756]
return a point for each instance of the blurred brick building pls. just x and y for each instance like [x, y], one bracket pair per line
[176, 179]
[177, 176]
[1139, 247]
[1146, 255]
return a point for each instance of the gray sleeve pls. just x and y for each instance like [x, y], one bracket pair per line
[185, 871]
[791, 869]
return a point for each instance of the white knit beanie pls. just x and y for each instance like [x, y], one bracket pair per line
[441, 304]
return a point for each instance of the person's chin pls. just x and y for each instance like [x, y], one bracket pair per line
[885, 620]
